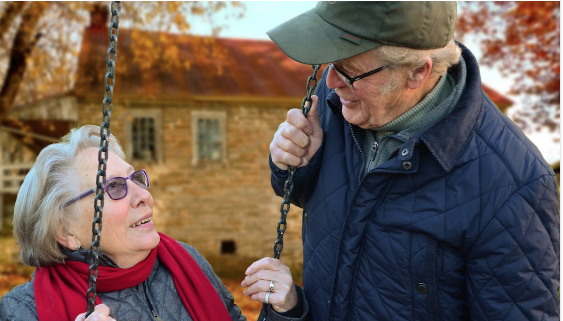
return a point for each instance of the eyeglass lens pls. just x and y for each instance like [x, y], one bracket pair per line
[342, 76]
[344, 79]
[117, 187]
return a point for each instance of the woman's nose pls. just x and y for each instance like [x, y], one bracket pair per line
[139, 195]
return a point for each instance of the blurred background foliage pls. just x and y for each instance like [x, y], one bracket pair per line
[521, 39]
[40, 40]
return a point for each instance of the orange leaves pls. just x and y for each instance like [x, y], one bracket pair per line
[50, 39]
[249, 308]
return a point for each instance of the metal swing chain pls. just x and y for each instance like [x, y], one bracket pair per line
[103, 156]
[288, 186]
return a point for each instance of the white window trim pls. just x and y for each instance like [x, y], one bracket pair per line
[128, 115]
[222, 117]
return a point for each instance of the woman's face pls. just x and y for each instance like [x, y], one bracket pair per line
[123, 238]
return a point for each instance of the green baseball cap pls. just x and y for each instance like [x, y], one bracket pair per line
[336, 30]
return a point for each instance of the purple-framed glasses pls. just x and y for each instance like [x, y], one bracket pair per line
[116, 187]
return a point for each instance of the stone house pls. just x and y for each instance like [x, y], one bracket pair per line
[202, 135]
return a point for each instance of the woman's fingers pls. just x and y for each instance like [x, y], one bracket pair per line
[100, 313]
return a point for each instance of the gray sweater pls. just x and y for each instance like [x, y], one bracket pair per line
[157, 295]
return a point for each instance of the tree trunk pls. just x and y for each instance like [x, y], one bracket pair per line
[24, 42]
[14, 9]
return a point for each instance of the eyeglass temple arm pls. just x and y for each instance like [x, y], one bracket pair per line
[369, 73]
[81, 196]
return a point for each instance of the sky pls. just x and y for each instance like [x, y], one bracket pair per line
[261, 16]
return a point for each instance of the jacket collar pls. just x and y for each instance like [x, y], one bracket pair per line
[83, 255]
[447, 138]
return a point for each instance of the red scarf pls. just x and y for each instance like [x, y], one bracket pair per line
[60, 290]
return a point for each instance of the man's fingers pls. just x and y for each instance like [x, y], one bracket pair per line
[267, 263]
[296, 118]
[297, 139]
[294, 135]
[313, 114]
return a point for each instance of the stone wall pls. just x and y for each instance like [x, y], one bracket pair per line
[210, 202]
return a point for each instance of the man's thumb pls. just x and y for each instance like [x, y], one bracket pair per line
[313, 114]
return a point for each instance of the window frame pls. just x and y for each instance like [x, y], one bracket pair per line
[155, 114]
[221, 116]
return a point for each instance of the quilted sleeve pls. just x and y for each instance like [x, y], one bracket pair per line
[513, 267]
[304, 179]
[14, 309]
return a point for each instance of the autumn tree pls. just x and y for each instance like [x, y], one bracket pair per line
[39, 41]
[520, 39]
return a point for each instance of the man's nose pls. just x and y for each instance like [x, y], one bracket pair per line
[332, 79]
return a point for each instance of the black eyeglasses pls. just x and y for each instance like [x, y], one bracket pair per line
[349, 81]
[116, 187]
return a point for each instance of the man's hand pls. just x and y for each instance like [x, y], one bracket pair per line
[283, 296]
[298, 138]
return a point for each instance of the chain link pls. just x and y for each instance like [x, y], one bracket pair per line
[103, 156]
[288, 186]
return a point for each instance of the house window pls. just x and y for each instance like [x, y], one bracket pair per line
[143, 139]
[143, 135]
[209, 138]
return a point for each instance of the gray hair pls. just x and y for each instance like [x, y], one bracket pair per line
[39, 216]
[403, 61]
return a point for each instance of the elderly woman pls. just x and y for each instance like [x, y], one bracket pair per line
[143, 274]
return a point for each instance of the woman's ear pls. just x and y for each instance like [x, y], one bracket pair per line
[68, 240]
[420, 75]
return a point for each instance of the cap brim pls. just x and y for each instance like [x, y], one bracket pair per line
[310, 40]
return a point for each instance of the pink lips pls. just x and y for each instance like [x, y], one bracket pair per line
[347, 103]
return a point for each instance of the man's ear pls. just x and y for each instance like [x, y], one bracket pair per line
[420, 75]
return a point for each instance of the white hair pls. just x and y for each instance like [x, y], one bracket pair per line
[39, 215]
[403, 61]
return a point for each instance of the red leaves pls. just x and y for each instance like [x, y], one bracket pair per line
[523, 39]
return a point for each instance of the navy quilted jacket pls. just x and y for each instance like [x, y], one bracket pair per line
[461, 224]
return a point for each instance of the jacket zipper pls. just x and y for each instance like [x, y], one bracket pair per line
[374, 150]
[374, 147]
[361, 153]
[154, 314]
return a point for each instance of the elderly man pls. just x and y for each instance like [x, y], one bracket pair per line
[421, 200]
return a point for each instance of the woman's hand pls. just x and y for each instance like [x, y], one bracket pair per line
[257, 281]
[100, 313]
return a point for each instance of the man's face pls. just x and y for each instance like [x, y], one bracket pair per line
[364, 105]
